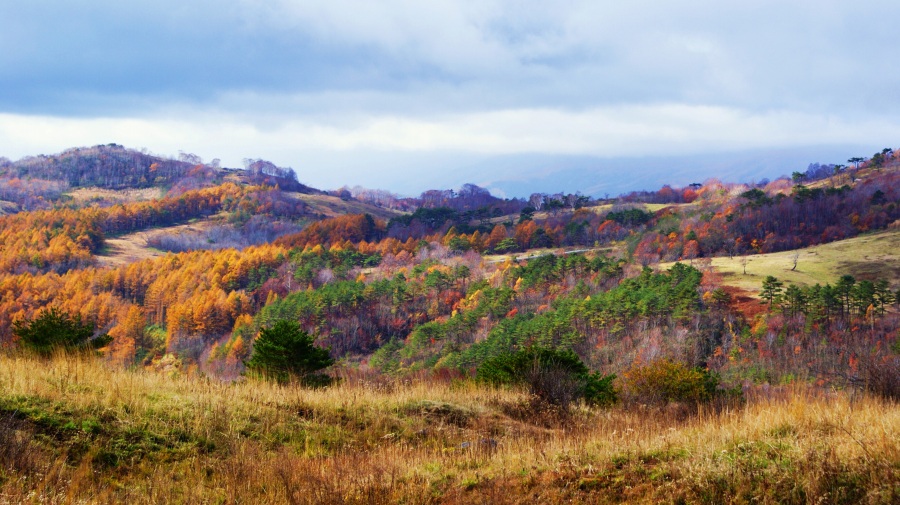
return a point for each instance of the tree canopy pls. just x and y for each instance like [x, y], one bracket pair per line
[55, 329]
[284, 352]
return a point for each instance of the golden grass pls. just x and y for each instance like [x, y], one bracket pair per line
[82, 195]
[131, 247]
[76, 430]
[597, 209]
[127, 249]
[332, 206]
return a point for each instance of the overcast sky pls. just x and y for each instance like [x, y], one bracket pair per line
[392, 93]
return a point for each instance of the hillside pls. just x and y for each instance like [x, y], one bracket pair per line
[333, 206]
[108, 166]
[557, 348]
[300, 250]
[112, 173]
[870, 257]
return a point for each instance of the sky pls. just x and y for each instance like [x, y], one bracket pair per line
[407, 95]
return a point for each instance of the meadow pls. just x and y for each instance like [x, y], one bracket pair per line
[78, 430]
[871, 256]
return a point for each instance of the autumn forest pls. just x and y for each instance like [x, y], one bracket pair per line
[452, 286]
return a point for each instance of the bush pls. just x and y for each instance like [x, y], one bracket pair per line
[555, 376]
[664, 381]
[55, 329]
[285, 352]
[880, 376]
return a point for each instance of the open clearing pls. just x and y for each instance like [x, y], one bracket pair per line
[132, 247]
[872, 256]
[93, 194]
[126, 249]
[332, 206]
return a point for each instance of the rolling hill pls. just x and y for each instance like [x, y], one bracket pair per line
[485, 349]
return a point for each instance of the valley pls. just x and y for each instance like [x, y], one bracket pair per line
[174, 331]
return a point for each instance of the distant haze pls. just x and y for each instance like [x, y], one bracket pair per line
[524, 174]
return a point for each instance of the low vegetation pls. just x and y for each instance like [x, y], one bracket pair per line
[555, 377]
[54, 330]
[73, 429]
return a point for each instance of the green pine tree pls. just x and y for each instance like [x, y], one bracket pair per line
[285, 352]
[55, 329]
[771, 289]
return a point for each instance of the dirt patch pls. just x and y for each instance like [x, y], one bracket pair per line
[872, 270]
[744, 302]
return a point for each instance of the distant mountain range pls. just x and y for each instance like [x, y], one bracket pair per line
[520, 175]
[410, 174]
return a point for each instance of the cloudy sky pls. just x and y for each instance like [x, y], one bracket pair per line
[411, 94]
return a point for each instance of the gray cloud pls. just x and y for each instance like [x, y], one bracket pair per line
[492, 77]
[575, 54]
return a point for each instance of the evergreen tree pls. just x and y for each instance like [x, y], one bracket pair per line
[284, 352]
[771, 289]
[794, 299]
[556, 376]
[843, 289]
[55, 329]
[883, 294]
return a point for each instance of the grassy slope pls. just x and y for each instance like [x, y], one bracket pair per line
[8, 208]
[131, 247]
[93, 194]
[872, 256]
[77, 430]
[332, 206]
[597, 209]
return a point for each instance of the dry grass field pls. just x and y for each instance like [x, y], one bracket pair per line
[86, 195]
[596, 209]
[77, 430]
[332, 206]
[131, 247]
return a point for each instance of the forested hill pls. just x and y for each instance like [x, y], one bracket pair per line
[457, 280]
[34, 181]
[106, 166]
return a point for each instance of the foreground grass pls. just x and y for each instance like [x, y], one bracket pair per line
[75, 430]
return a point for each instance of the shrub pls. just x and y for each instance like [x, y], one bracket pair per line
[555, 376]
[880, 376]
[285, 352]
[55, 329]
[664, 381]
